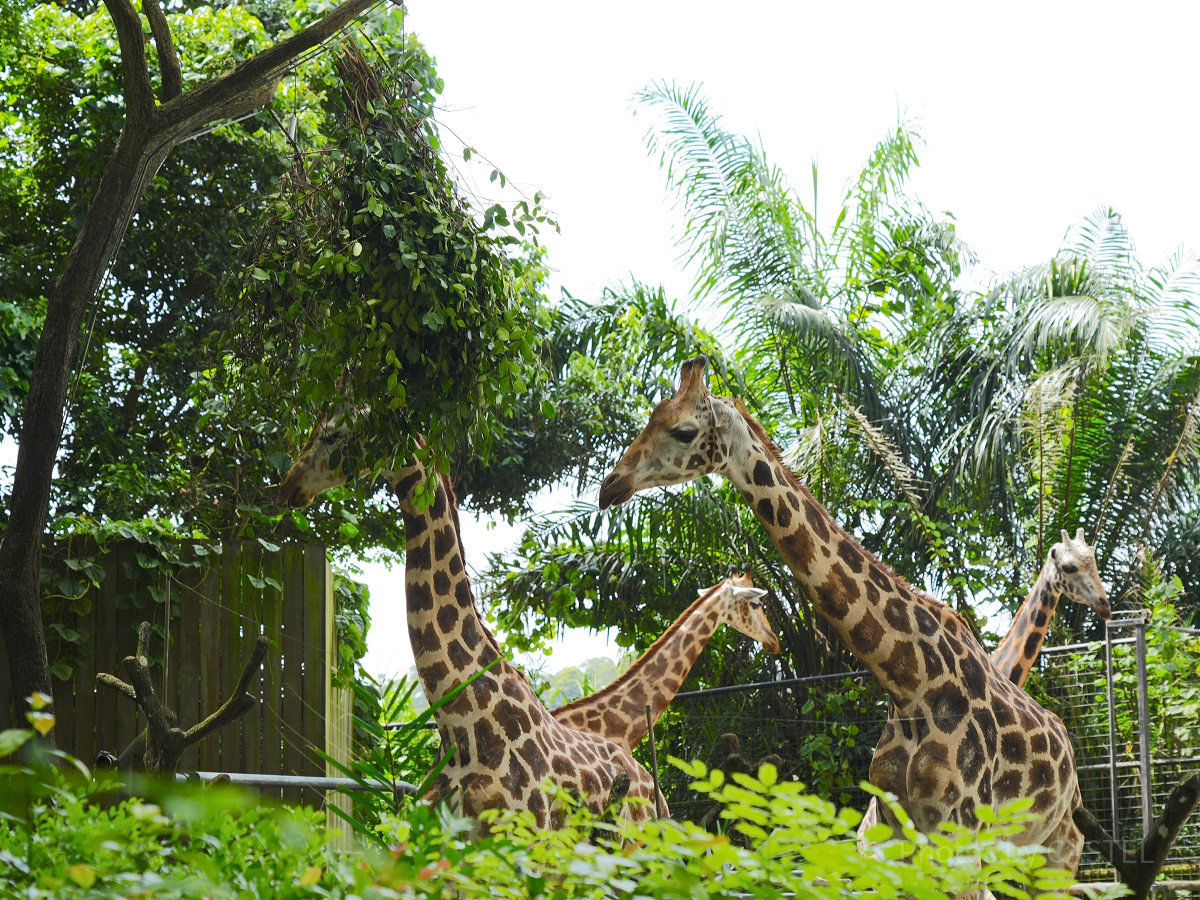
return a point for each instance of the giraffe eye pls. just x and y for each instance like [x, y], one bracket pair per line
[685, 435]
[756, 606]
[1070, 570]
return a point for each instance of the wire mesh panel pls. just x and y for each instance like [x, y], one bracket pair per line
[821, 731]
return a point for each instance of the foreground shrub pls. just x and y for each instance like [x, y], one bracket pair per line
[70, 836]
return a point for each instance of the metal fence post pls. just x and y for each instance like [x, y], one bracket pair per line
[1112, 734]
[1143, 698]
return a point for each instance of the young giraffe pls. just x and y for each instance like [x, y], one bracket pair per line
[618, 711]
[962, 733]
[506, 745]
[1070, 569]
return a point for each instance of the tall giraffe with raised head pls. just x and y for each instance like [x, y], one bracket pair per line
[618, 711]
[1070, 571]
[964, 734]
[506, 746]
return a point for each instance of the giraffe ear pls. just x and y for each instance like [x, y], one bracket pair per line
[691, 375]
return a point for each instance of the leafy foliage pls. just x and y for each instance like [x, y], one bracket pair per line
[219, 842]
[368, 262]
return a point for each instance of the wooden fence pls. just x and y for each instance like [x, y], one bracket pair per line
[216, 612]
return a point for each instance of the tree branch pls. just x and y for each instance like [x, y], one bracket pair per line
[168, 57]
[1139, 870]
[139, 94]
[163, 742]
[239, 702]
[117, 684]
[250, 84]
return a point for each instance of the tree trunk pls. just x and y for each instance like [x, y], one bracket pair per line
[149, 135]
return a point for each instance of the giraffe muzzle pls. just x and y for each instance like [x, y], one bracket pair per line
[614, 491]
[293, 496]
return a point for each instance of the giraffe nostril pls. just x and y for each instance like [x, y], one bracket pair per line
[612, 476]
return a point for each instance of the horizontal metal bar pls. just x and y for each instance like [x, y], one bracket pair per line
[1086, 645]
[781, 683]
[317, 783]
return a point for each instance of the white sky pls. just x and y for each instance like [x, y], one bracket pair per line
[1033, 115]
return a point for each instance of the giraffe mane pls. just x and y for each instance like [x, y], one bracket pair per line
[617, 684]
[452, 505]
[773, 450]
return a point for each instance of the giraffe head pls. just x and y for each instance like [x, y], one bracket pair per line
[740, 605]
[688, 435]
[313, 472]
[1076, 573]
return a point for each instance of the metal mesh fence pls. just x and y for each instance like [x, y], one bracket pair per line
[821, 731]
[1135, 735]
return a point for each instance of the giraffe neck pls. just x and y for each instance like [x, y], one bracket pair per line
[906, 639]
[450, 641]
[619, 710]
[1018, 650]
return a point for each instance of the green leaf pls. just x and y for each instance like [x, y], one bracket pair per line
[12, 739]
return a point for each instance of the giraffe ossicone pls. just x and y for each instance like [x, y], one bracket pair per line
[961, 734]
[506, 747]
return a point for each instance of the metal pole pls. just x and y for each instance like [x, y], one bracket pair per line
[318, 783]
[1144, 727]
[1112, 734]
[654, 763]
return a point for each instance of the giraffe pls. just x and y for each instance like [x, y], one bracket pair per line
[618, 711]
[960, 733]
[506, 746]
[1070, 569]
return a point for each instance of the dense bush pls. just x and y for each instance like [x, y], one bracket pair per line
[70, 836]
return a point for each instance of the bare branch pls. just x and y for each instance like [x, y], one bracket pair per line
[168, 57]
[139, 94]
[239, 702]
[163, 742]
[117, 684]
[1139, 870]
[147, 698]
[251, 84]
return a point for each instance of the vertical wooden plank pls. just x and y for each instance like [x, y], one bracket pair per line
[83, 739]
[131, 609]
[291, 665]
[334, 708]
[253, 604]
[210, 655]
[231, 644]
[315, 662]
[272, 686]
[64, 704]
[188, 651]
[6, 707]
[105, 730]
